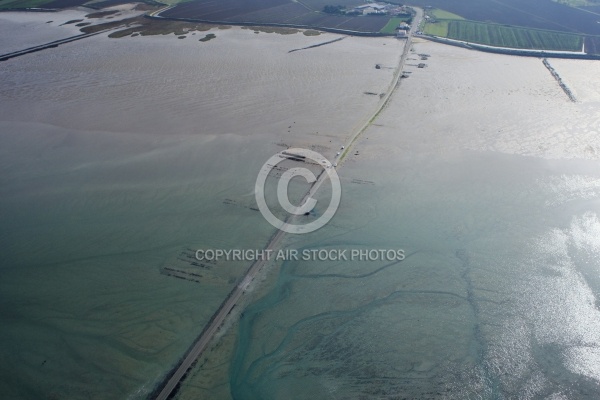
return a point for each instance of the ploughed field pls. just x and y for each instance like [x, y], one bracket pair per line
[275, 12]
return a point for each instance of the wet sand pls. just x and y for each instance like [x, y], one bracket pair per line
[120, 154]
[28, 29]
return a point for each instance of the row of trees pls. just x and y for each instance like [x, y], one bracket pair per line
[334, 9]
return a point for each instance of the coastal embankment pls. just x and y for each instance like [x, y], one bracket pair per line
[511, 52]
[55, 43]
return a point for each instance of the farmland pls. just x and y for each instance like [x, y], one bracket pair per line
[538, 14]
[440, 28]
[442, 14]
[393, 23]
[577, 3]
[280, 12]
[508, 36]
[592, 45]
[534, 24]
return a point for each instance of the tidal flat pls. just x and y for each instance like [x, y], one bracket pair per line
[119, 157]
[488, 176]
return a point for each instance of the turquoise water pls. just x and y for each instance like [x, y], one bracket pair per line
[487, 304]
[87, 308]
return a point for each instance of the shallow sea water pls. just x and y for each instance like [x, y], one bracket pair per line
[491, 301]
[119, 158]
[497, 297]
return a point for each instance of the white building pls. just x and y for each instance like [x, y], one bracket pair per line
[372, 8]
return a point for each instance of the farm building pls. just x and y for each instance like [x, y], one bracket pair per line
[372, 8]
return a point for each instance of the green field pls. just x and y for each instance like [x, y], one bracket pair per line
[393, 23]
[505, 36]
[441, 14]
[439, 28]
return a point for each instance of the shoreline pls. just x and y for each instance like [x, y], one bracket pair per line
[155, 15]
